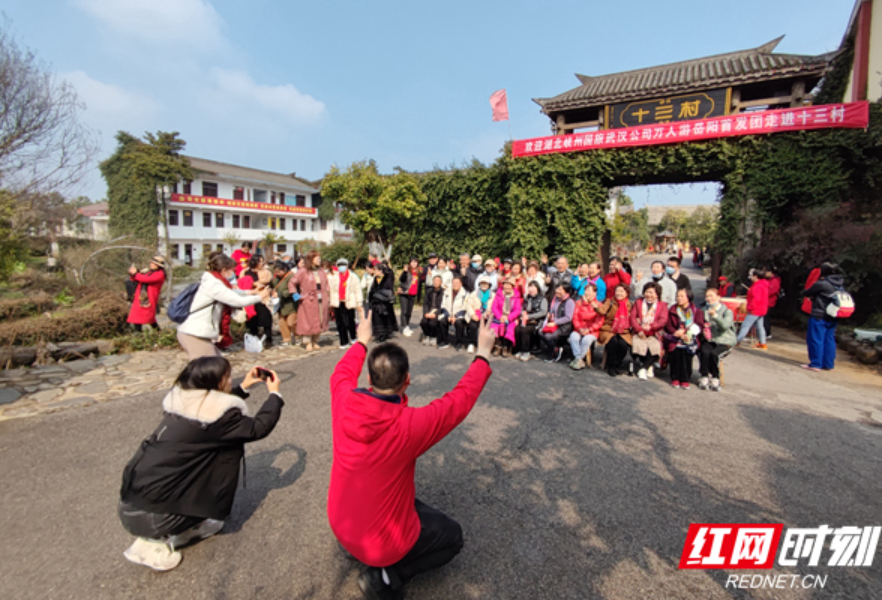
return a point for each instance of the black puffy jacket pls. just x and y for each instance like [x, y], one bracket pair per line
[821, 292]
[190, 464]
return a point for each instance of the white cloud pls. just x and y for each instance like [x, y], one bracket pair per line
[108, 101]
[191, 23]
[284, 101]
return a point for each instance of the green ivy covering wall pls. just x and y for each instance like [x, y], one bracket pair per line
[555, 203]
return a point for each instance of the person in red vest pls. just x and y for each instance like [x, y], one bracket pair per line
[242, 256]
[617, 275]
[372, 505]
[146, 302]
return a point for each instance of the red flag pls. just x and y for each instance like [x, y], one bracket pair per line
[499, 104]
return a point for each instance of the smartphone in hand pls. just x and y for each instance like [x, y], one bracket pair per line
[264, 374]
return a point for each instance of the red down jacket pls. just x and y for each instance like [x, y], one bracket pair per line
[376, 444]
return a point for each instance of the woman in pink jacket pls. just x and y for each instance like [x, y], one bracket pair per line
[649, 315]
[506, 310]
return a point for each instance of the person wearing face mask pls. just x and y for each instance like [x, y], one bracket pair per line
[212, 301]
[668, 287]
[346, 296]
[490, 274]
[474, 270]
[673, 271]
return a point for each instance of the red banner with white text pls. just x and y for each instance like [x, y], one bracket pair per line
[854, 115]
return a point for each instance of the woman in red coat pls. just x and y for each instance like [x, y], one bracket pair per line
[146, 302]
[649, 316]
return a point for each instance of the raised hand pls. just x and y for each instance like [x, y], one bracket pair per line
[486, 338]
[365, 332]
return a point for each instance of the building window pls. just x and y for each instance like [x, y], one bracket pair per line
[246, 222]
[281, 248]
[219, 219]
[235, 221]
[172, 217]
[206, 250]
[175, 249]
[302, 224]
[281, 197]
[220, 247]
[238, 193]
[272, 223]
[174, 188]
[188, 253]
[312, 225]
[206, 219]
[209, 189]
[188, 218]
[323, 224]
[272, 197]
[187, 187]
[282, 224]
[301, 200]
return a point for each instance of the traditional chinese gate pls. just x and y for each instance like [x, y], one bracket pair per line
[745, 93]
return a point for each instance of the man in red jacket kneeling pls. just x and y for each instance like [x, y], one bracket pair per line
[372, 506]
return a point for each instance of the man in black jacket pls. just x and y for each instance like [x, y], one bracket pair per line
[180, 485]
[469, 275]
[435, 324]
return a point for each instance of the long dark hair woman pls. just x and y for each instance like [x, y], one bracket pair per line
[179, 486]
[382, 302]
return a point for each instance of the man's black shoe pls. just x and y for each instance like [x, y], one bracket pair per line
[372, 586]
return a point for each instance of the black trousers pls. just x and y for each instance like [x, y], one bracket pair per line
[406, 309]
[263, 319]
[345, 324]
[440, 540]
[709, 358]
[681, 365]
[473, 332]
[436, 328]
[461, 331]
[645, 361]
[524, 335]
[550, 342]
[153, 526]
[616, 351]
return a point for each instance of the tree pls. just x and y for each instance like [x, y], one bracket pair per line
[382, 207]
[631, 228]
[268, 243]
[12, 247]
[138, 175]
[672, 221]
[625, 200]
[232, 239]
[43, 145]
[700, 227]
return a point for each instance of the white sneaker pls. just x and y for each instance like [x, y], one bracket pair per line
[703, 383]
[471, 349]
[715, 385]
[346, 347]
[433, 341]
[641, 374]
[154, 554]
[205, 529]
[407, 332]
[525, 356]
[650, 373]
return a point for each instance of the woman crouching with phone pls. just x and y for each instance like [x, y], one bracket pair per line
[179, 486]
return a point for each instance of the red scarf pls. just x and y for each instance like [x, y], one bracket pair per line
[226, 316]
[621, 322]
[344, 277]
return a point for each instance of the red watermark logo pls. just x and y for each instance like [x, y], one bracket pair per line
[731, 546]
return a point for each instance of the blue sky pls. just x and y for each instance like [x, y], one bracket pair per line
[298, 86]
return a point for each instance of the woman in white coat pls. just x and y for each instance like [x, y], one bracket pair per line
[215, 296]
[346, 297]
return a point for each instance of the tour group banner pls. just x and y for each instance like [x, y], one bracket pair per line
[854, 115]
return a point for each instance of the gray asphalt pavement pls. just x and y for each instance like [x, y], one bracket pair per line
[567, 485]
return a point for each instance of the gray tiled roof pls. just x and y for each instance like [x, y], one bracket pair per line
[722, 70]
[219, 168]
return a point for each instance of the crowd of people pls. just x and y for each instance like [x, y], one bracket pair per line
[536, 308]
[180, 484]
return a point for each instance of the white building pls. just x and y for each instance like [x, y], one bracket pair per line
[227, 200]
[865, 26]
[90, 224]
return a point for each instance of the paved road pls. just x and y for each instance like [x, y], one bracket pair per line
[567, 484]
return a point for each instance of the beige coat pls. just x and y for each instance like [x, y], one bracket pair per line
[354, 295]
